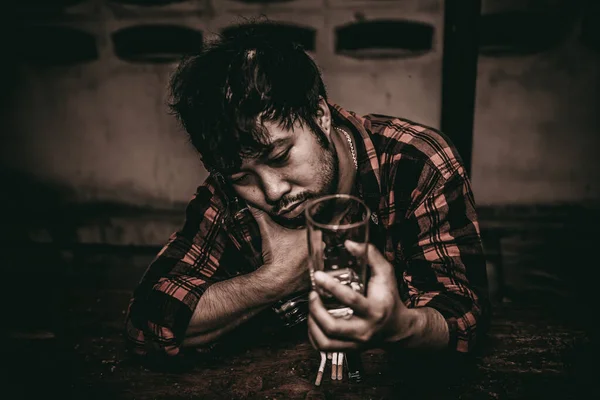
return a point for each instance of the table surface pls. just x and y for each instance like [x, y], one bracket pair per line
[532, 351]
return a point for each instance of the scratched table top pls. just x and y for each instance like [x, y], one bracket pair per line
[532, 351]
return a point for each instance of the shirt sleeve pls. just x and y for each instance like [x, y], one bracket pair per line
[443, 254]
[162, 304]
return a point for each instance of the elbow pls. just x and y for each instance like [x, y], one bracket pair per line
[468, 330]
[147, 338]
[468, 319]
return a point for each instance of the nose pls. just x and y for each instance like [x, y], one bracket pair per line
[275, 187]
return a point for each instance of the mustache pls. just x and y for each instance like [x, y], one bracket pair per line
[286, 201]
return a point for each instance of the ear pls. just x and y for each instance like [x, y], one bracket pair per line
[324, 116]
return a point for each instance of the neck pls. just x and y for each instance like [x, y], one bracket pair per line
[346, 163]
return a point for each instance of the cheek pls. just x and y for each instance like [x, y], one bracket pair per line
[305, 173]
[250, 195]
[308, 166]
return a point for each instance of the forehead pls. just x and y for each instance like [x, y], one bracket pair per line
[278, 136]
[277, 131]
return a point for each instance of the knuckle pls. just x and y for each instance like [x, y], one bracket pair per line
[322, 343]
[378, 315]
[329, 329]
[326, 346]
[371, 247]
[353, 298]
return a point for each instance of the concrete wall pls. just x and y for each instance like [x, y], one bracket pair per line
[101, 131]
[537, 126]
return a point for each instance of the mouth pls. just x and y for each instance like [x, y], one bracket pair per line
[293, 211]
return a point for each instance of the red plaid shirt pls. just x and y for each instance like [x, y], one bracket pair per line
[426, 225]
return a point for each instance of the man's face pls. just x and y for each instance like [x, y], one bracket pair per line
[296, 168]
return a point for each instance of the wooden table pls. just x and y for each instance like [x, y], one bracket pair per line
[532, 351]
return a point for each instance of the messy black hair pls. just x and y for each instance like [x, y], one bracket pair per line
[223, 94]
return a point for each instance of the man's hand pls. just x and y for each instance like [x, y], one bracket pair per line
[285, 253]
[379, 317]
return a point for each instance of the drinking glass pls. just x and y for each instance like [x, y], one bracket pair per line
[331, 220]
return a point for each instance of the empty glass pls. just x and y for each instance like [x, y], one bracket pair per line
[331, 220]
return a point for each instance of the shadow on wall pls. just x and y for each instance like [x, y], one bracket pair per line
[44, 262]
[30, 203]
[41, 211]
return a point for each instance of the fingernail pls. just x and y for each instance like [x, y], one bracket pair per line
[313, 296]
[319, 276]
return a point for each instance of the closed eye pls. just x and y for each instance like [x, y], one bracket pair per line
[240, 180]
[281, 158]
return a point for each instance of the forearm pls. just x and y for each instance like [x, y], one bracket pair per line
[427, 330]
[226, 305]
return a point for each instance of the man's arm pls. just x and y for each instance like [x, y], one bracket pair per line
[445, 274]
[168, 296]
[380, 318]
[432, 298]
[227, 304]
[193, 293]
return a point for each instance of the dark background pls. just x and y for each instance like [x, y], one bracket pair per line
[95, 174]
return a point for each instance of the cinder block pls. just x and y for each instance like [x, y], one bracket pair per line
[340, 18]
[53, 12]
[314, 21]
[405, 5]
[179, 9]
[237, 6]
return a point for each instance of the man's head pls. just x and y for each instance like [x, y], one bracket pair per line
[255, 108]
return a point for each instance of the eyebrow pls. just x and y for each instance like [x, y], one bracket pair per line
[272, 146]
[275, 144]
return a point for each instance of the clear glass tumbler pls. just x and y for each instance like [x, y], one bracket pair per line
[331, 220]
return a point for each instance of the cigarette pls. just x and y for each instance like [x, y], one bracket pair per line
[334, 366]
[340, 366]
[321, 369]
[329, 356]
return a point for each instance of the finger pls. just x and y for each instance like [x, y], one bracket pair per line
[323, 343]
[257, 213]
[262, 219]
[354, 329]
[317, 310]
[342, 293]
[380, 266]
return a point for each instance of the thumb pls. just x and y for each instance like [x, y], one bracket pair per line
[380, 266]
[256, 213]
[261, 217]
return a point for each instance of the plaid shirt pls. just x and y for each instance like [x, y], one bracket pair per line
[425, 224]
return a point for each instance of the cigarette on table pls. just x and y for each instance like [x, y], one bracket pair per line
[321, 369]
[340, 366]
[334, 366]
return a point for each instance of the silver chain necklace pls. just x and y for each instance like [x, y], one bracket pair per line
[352, 151]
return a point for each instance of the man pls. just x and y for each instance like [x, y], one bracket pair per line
[256, 109]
